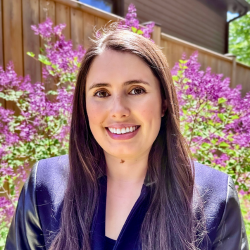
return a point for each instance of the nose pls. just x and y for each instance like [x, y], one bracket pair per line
[120, 107]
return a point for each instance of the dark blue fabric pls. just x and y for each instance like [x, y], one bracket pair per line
[109, 243]
[51, 184]
[212, 185]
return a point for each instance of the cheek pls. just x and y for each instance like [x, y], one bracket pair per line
[150, 111]
[95, 113]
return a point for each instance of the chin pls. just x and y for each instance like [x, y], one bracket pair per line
[124, 152]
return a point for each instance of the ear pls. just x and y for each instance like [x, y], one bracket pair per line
[164, 107]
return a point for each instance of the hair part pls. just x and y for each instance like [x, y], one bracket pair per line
[171, 221]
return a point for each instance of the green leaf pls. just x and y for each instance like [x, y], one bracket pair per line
[54, 66]
[223, 144]
[175, 78]
[51, 72]
[183, 61]
[235, 117]
[186, 126]
[214, 141]
[221, 116]
[19, 93]
[43, 59]
[52, 92]
[221, 100]
[185, 80]
[134, 29]
[30, 54]
[205, 145]
[140, 32]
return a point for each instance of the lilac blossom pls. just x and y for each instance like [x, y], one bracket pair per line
[132, 22]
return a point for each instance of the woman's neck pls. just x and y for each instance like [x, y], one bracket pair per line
[126, 172]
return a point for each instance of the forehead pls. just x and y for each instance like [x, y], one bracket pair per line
[112, 64]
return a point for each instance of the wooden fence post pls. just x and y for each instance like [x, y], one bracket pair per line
[156, 36]
[233, 74]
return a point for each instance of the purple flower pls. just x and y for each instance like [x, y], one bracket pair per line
[131, 21]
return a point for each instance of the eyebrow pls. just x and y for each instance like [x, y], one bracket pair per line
[98, 85]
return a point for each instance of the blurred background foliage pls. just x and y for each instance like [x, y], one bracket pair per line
[239, 38]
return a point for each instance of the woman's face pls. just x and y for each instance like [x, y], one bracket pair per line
[124, 104]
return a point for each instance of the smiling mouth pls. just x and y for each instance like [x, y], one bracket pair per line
[126, 130]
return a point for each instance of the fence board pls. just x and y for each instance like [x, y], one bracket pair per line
[1, 35]
[12, 30]
[77, 35]
[243, 77]
[174, 50]
[47, 9]
[2, 102]
[88, 25]
[100, 22]
[169, 54]
[30, 40]
[63, 16]
[13, 43]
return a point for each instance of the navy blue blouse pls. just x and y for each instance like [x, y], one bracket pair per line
[109, 243]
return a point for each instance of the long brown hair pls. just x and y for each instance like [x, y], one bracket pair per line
[170, 222]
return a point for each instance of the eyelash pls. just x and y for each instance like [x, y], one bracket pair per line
[103, 90]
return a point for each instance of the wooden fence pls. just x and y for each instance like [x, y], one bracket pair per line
[17, 38]
[239, 73]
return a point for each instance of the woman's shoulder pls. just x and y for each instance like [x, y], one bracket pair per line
[208, 177]
[221, 207]
[51, 168]
[213, 187]
[38, 211]
[51, 179]
[51, 183]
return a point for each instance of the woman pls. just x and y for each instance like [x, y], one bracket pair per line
[129, 181]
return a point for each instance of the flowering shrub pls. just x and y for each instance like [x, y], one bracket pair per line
[214, 118]
[40, 127]
[215, 122]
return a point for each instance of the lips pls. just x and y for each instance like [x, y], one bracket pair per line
[122, 132]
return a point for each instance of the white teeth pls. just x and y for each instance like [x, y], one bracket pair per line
[122, 130]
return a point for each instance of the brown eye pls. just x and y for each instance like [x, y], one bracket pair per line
[137, 91]
[101, 94]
